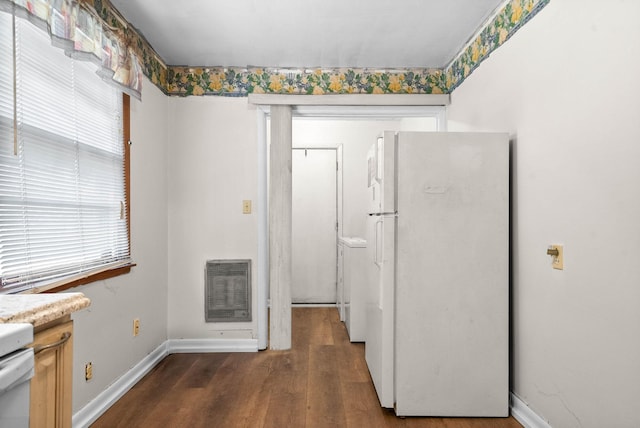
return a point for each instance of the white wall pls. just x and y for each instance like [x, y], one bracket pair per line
[419, 124]
[566, 87]
[356, 137]
[103, 332]
[212, 169]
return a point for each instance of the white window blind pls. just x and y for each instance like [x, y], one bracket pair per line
[62, 191]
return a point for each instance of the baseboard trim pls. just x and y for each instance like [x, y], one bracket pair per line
[96, 407]
[523, 414]
[313, 305]
[186, 346]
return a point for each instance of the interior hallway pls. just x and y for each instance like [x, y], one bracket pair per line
[323, 381]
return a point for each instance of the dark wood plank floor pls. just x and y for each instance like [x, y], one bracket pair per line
[322, 381]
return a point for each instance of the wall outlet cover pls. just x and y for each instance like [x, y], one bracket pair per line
[557, 262]
[88, 371]
[136, 327]
[246, 206]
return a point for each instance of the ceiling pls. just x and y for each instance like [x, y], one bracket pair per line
[308, 34]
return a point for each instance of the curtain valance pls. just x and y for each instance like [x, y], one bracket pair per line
[77, 28]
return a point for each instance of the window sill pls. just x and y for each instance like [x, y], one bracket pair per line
[89, 278]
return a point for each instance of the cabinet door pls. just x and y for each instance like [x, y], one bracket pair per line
[51, 383]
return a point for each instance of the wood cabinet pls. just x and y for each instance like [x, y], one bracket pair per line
[52, 381]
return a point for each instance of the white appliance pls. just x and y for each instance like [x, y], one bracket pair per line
[437, 303]
[351, 285]
[16, 370]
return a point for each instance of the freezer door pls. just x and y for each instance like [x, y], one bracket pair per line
[374, 180]
[381, 182]
[387, 162]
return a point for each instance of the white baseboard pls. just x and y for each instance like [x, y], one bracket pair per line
[96, 407]
[182, 346]
[523, 414]
[313, 305]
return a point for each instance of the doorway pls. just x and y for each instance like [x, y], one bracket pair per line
[276, 332]
[314, 225]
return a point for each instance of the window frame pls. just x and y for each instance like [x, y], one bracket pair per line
[119, 270]
[98, 273]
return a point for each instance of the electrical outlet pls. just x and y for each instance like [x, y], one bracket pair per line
[136, 327]
[88, 371]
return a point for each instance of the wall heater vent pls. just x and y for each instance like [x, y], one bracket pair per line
[227, 291]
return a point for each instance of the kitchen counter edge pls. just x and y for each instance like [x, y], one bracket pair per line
[40, 309]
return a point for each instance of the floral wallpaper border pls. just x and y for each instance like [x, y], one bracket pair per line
[512, 16]
[239, 81]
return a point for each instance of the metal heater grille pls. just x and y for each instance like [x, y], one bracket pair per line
[227, 291]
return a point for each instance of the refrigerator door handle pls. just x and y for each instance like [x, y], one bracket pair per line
[377, 255]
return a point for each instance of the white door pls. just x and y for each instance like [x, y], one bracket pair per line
[314, 217]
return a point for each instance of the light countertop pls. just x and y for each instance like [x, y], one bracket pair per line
[39, 309]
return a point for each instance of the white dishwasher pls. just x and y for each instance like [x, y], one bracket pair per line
[16, 371]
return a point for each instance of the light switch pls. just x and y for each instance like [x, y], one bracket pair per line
[246, 206]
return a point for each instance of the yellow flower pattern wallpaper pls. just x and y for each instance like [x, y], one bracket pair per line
[240, 82]
[512, 16]
[224, 81]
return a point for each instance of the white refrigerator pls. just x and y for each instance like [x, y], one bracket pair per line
[437, 336]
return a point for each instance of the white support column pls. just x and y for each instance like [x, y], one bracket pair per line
[280, 228]
[263, 233]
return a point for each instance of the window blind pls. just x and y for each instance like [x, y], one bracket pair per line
[62, 191]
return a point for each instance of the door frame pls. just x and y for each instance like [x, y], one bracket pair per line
[371, 107]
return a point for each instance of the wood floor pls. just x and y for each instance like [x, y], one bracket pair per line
[322, 382]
